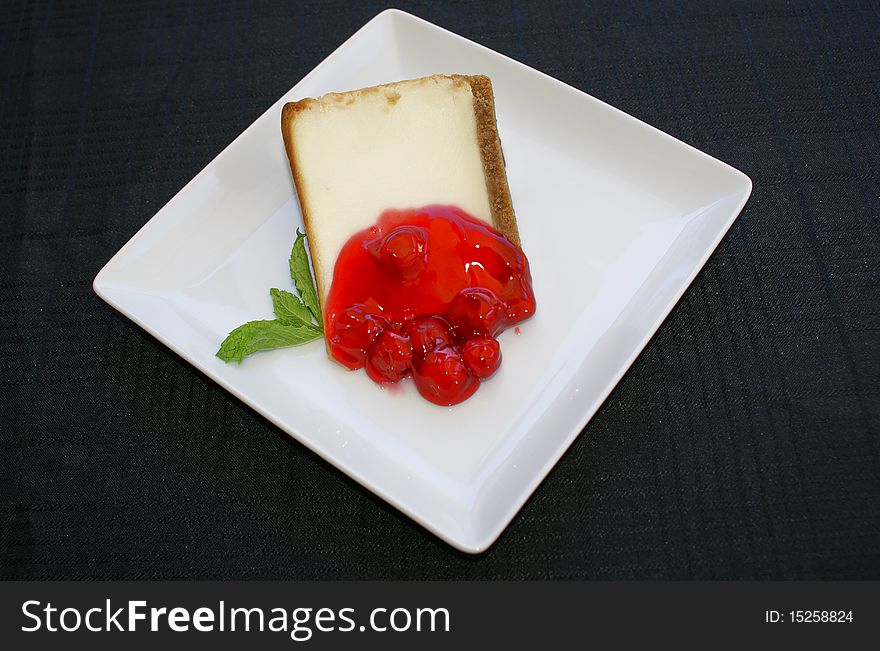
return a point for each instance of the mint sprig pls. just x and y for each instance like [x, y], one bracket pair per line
[301, 272]
[254, 336]
[295, 316]
[289, 307]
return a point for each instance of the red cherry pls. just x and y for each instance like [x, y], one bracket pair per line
[353, 331]
[476, 312]
[389, 357]
[403, 250]
[482, 356]
[428, 333]
[442, 378]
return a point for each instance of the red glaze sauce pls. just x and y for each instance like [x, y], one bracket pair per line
[424, 293]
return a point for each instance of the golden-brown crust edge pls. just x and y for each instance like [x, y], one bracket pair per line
[288, 114]
[503, 216]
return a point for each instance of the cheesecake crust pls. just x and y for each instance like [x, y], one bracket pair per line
[503, 217]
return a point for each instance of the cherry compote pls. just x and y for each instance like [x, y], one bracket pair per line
[425, 292]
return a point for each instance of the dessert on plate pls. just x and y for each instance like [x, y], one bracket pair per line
[411, 230]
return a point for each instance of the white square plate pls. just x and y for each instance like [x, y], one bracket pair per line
[616, 218]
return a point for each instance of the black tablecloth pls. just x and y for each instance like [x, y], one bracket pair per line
[743, 443]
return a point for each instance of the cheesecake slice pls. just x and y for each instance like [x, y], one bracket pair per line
[402, 145]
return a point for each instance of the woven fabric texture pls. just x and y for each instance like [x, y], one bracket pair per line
[743, 443]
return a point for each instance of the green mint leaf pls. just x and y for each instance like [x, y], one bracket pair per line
[263, 335]
[301, 273]
[289, 308]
